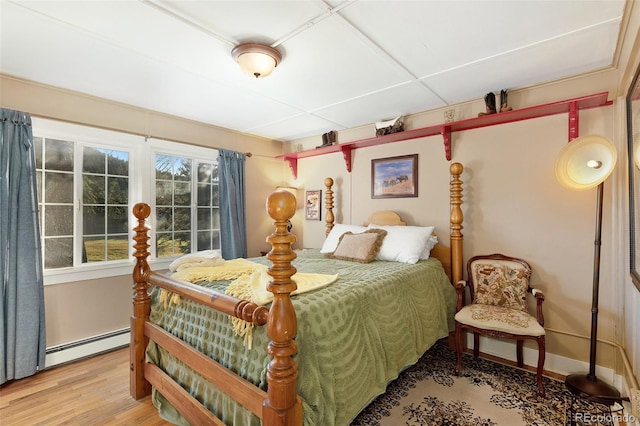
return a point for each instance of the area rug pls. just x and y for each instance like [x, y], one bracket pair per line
[487, 393]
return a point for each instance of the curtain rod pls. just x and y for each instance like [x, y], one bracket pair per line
[128, 132]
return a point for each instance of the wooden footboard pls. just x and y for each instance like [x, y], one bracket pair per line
[280, 405]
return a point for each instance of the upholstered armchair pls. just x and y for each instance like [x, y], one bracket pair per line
[498, 286]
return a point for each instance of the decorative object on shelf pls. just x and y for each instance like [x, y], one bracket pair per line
[504, 106]
[313, 204]
[584, 163]
[449, 115]
[256, 60]
[328, 139]
[389, 126]
[394, 177]
[490, 103]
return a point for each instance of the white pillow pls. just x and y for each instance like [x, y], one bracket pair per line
[431, 243]
[338, 229]
[404, 243]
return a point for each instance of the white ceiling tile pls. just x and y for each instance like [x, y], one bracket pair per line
[537, 64]
[296, 127]
[400, 100]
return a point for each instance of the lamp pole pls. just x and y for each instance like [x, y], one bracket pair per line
[588, 386]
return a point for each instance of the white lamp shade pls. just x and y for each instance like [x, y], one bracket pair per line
[585, 162]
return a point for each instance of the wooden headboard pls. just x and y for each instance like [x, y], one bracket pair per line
[386, 218]
[450, 256]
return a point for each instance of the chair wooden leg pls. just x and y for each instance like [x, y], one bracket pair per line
[519, 344]
[458, 338]
[541, 356]
[476, 344]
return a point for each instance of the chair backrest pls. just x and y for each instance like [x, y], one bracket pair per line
[500, 280]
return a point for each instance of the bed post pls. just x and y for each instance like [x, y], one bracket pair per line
[282, 407]
[328, 202]
[456, 218]
[138, 385]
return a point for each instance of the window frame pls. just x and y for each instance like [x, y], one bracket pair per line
[141, 189]
[196, 155]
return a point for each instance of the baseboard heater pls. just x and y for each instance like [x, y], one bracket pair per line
[73, 351]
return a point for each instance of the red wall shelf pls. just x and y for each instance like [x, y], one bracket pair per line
[570, 106]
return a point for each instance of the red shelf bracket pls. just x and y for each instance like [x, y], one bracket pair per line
[293, 165]
[445, 131]
[346, 154]
[573, 120]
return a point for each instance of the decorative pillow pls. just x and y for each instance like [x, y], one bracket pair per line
[331, 242]
[500, 285]
[362, 247]
[403, 243]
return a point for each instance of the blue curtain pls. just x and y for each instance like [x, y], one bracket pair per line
[233, 225]
[22, 332]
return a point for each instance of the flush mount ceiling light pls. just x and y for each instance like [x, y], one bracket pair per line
[256, 60]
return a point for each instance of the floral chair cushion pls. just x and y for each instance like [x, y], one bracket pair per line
[501, 284]
[497, 318]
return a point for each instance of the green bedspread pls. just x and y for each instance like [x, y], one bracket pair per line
[354, 337]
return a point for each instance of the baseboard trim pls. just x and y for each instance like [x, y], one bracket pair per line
[69, 352]
[555, 366]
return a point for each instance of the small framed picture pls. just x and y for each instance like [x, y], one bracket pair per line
[312, 204]
[394, 177]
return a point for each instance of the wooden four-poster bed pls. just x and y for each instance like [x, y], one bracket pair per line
[316, 358]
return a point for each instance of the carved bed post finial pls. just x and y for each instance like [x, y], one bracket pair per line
[138, 386]
[456, 221]
[282, 372]
[328, 202]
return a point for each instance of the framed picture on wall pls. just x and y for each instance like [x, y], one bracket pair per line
[313, 204]
[394, 177]
[633, 135]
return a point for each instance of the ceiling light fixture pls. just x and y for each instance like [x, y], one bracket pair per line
[256, 60]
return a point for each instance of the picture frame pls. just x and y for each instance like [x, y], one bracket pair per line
[313, 204]
[633, 156]
[394, 177]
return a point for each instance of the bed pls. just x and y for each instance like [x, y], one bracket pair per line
[316, 358]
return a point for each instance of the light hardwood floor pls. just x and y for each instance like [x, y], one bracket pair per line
[93, 391]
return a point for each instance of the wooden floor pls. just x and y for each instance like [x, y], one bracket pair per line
[94, 391]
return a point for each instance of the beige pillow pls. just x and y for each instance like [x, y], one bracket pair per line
[500, 285]
[362, 247]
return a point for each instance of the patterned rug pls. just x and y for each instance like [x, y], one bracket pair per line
[486, 393]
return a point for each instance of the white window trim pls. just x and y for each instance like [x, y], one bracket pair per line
[141, 175]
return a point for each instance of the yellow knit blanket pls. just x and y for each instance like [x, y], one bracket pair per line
[250, 282]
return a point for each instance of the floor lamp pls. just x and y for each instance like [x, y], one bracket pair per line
[584, 163]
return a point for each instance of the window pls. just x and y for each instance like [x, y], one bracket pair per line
[185, 224]
[88, 180]
[105, 201]
[103, 216]
[208, 213]
[55, 177]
